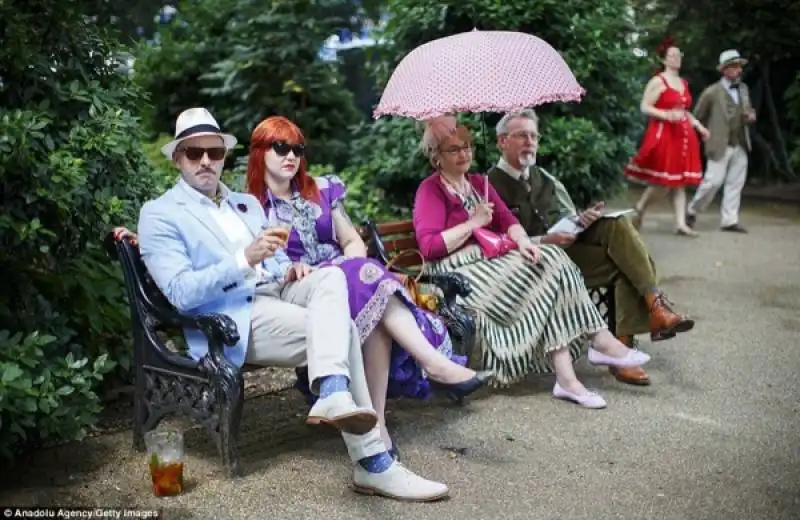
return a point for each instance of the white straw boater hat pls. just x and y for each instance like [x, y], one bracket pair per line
[730, 57]
[195, 122]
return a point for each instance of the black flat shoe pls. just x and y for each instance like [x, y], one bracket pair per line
[456, 392]
[734, 228]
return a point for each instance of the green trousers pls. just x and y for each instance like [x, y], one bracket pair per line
[612, 247]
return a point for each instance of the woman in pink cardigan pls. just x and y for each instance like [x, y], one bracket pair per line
[533, 311]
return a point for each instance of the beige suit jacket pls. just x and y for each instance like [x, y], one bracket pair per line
[710, 110]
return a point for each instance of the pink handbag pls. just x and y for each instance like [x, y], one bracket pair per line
[493, 244]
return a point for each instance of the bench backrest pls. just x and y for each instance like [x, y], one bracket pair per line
[390, 238]
[146, 301]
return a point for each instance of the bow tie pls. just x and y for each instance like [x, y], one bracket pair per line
[735, 86]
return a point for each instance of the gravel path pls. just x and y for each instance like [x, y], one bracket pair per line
[717, 436]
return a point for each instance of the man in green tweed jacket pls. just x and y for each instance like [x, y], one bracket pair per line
[606, 247]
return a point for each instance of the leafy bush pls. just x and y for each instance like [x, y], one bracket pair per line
[792, 98]
[71, 166]
[581, 155]
[43, 393]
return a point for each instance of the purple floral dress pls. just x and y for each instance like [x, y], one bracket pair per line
[312, 241]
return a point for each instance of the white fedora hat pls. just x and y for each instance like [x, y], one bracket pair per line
[730, 57]
[194, 122]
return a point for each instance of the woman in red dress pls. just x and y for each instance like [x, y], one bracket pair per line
[669, 157]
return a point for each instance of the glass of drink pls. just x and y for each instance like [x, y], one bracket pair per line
[165, 453]
[280, 228]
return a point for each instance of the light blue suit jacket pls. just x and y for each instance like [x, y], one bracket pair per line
[194, 264]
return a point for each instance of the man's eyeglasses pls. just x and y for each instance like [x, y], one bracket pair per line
[523, 135]
[195, 153]
[283, 148]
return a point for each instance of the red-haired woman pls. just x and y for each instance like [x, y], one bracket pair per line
[669, 157]
[322, 235]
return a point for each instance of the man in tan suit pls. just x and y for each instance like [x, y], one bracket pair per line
[724, 108]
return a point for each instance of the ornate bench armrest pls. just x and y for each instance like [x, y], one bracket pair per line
[219, 329]
[452, 285]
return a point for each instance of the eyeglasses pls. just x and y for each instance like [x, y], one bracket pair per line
[455, 149]
[523, 135]
[283, 148]
[195, 153]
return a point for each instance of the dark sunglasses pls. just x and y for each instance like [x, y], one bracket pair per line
[283, 148]
[195, 153]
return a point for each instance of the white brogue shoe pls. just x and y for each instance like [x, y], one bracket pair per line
[399, 483]
[340, 411]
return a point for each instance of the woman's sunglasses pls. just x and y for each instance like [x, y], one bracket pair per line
[195, 153]
[283, 148]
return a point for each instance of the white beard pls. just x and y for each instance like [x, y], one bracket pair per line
[527, 160]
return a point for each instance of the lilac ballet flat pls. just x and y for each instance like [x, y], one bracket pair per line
[634, 358]
[587, 400]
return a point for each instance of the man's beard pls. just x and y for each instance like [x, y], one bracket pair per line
[527, 160]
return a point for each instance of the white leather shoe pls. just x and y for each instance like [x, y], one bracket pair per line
[340, 411]
[634, 358]
[398, 482]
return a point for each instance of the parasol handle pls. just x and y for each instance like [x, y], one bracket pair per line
[486, 158]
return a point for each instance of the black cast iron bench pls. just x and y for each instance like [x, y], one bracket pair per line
[211, 390]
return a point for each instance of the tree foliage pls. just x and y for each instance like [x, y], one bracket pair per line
[763, 31]
[70, 165]
[246, 60]
[591, 36]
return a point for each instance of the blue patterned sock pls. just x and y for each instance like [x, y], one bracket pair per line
[332, 384]
[377, 463]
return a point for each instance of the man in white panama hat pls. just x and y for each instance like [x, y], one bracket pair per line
[209, 249]
[725, 109]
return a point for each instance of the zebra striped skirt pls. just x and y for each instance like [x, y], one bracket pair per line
[524, 311]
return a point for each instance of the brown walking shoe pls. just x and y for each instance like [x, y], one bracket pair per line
[630, 375]
[664, 322]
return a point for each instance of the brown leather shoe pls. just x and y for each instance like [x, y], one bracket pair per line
[664, 322]
[630, 375]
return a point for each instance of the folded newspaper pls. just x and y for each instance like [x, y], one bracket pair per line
[571, 226]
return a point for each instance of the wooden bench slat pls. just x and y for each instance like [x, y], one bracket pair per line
[400, 244]
[396, 227]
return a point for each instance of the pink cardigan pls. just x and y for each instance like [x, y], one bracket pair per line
[436, 210]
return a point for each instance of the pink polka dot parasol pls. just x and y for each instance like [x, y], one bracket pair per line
[478, 71]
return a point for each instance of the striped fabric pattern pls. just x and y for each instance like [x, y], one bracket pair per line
[523, 310]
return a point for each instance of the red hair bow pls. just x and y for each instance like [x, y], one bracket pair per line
[665, 44]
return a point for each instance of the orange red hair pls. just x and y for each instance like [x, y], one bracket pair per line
[268, 131]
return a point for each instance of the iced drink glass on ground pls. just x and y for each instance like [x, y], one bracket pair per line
[165, 456]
